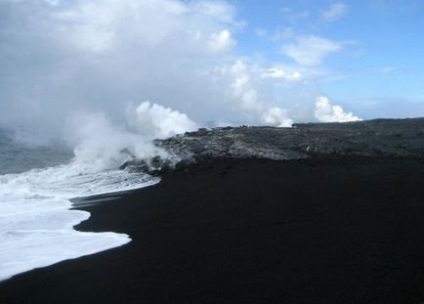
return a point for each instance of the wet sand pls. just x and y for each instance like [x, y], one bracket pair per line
[253, 231]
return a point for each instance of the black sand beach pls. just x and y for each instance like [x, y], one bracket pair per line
[253, 231]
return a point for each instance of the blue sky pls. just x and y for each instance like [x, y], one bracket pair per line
[381, 43]
[217, 62]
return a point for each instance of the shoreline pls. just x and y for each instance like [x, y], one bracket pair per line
[345, 230]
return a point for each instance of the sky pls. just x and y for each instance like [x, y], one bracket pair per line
[366, 53]
[208, 63]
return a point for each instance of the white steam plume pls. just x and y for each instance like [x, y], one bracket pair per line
[246, 98]
[63, 58]
[326, 112]
[155, 121]
[102, 145]
[86, 56]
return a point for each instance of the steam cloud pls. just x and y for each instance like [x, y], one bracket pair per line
[247, 99]
[63, 57]
[156, 121]
[103, 145]
[326, 112]
[83, 62]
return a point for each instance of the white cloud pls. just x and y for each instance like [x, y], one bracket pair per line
[221, 42]
[99, 55]
[327, 112]
[220, 11]
[293, 16]
[310, 50]
[154, 120]
[279, 73]
[276, 117]
[247, 99]
[286, 33]
[53, 2]
[104, 25]
[335, 11]
[242, 91]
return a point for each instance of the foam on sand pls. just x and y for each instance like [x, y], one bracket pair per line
[36, 223]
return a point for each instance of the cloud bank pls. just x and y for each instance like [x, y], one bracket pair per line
[89, 56]
[65, 59]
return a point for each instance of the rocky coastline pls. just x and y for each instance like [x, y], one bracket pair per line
[389, 138]
[342, 223]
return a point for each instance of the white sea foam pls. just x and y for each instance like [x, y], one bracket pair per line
[36, 223]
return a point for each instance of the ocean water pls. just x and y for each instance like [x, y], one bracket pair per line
[36, 220]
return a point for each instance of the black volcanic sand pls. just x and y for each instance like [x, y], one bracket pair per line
[233, 231]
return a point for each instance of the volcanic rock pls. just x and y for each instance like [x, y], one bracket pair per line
[374, 138]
